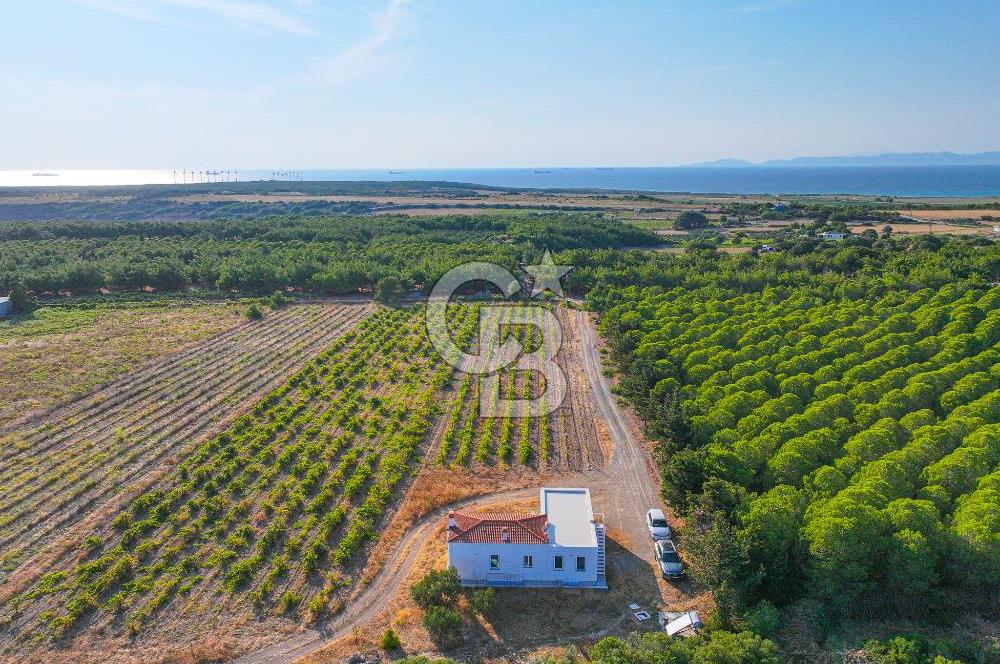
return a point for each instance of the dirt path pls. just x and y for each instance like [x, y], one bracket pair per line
[624, 488]
[628, 489]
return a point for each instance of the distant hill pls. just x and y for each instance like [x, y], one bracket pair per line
[888, 159]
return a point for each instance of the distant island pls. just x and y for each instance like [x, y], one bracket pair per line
[887, 159]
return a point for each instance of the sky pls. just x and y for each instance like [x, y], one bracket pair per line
[439, 84]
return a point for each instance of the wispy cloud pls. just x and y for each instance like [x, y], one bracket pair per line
[365, 55]
[253, 13]
[241, 11]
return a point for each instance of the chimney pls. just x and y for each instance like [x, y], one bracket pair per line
[505, 534]
[452, 523]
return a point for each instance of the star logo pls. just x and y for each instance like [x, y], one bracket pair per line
[547, 275]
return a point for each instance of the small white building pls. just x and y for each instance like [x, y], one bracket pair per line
[833, 235]
[5, 306]
[563, 545]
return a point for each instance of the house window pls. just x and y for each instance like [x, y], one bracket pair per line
[529, 561]
[557, 563]
[581, 564]
[494, 562]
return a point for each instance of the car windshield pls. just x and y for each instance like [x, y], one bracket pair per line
[659, 523]
[669, 556]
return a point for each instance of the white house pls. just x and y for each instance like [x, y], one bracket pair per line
[563, 545]
[5, 306]
[833, 235]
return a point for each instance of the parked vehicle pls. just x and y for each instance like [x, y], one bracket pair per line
[671, 566]
[656, 522]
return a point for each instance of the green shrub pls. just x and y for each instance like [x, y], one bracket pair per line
[389, 641]
[484, 601]
[389, 290]
[288, 601]
[718, 647]
[762, 619]
[444, 626]
[436, 588]
[918, 649]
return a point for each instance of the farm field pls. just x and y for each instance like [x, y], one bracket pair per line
[245, 521]
[59, 476]
[564, 440]
[267, 518]
[982, 229]
[948, 215]
[855, 437]
[62, 353]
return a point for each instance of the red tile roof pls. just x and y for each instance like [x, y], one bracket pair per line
[487, 528]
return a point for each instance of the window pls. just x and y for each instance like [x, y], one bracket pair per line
[529, 561]
[494, 562]
[557, 563]
[581, 563]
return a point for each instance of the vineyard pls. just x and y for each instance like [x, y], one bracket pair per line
[267, 517]
[266, 514]
[57, 473]
[564, 439]
[842, 447]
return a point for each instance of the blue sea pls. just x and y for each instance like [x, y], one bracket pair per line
[936, 181]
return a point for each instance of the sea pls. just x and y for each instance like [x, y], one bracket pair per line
[920, 181]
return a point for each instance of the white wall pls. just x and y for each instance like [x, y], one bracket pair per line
[473, 562]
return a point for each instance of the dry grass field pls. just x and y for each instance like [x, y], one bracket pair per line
[62, 354]
[982, 229]
[948, 215]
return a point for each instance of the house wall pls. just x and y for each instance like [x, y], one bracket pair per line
[5, 307]
[473, 564]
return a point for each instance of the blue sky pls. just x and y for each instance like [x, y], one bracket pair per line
[422, 83]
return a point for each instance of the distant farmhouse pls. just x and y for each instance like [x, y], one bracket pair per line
[5, 306]
[564, 545]
[833, 235]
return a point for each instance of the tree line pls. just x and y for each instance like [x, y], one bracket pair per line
[332, 255]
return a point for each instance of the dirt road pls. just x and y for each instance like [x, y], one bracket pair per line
[624, 489]
[627, 489]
